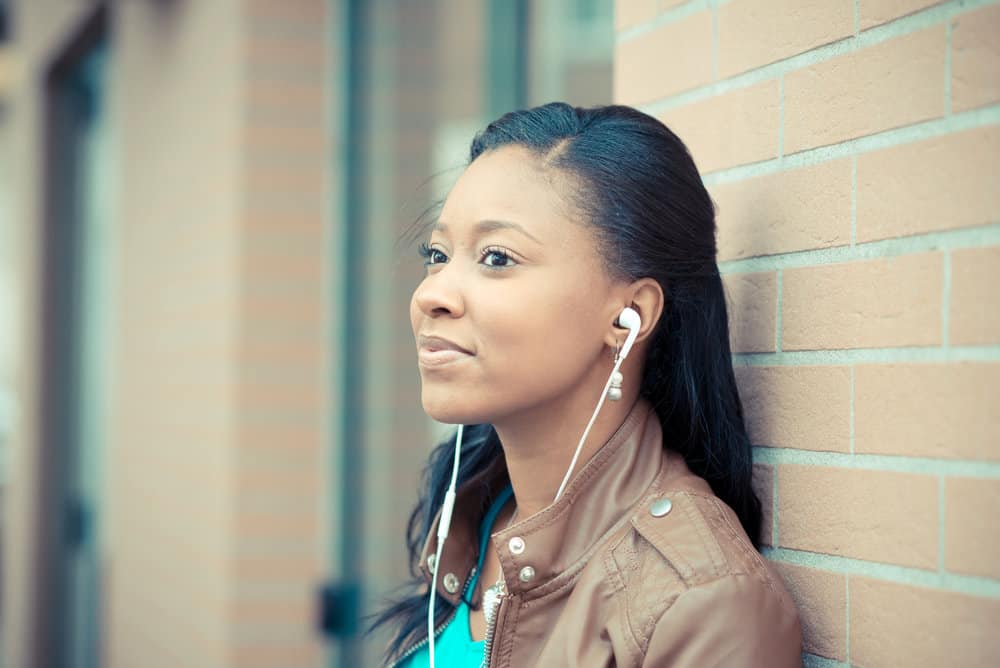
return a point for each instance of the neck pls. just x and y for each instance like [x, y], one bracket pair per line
[539, 443]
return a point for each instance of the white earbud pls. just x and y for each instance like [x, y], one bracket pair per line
[630, 320]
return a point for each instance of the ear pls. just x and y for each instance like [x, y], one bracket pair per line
[645, 296]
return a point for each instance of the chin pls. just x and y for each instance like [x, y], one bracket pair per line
[452, 407]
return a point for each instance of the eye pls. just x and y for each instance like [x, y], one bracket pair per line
[432, 255]
[497, 258]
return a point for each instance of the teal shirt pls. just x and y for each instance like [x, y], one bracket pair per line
[455, 646]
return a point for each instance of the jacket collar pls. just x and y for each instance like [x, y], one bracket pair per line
[556, 542]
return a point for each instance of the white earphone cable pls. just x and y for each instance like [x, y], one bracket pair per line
[444, 524]
[586, 432]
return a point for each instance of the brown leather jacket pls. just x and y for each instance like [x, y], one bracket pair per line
[637, 564]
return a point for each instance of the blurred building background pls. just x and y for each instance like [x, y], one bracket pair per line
[209, 406]
[210, 426]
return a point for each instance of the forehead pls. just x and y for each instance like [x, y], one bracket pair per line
[510, 183]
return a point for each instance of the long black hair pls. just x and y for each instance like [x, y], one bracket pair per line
[641, 192]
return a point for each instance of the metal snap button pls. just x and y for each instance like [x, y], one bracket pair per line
[660, 507]
[450, 583]
[431, 561]
[516, 545]
[527, 574]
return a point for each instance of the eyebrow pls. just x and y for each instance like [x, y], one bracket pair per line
[486, 226]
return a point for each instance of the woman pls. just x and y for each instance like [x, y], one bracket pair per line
[636, 544]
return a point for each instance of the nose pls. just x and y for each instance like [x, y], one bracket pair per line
[439, 295]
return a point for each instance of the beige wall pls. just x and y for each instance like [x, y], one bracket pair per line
[215, 502]
[852, 151]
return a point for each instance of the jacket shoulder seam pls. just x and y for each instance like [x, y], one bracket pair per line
[656, 531]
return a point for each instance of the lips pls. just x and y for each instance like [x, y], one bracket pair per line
[435, 343]
[438, 351]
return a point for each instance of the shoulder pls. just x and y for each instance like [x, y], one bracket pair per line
[686, 570]
[698, 536]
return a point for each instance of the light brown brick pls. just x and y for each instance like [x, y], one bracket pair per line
[629, 13]
[296, 613]
[895, 301]
[799, 209]
[278, 181]
[875, 12]
[889, 85]
[306, 59]
[734, 128]
[875, 515]
[763, 485]
[669, 59]
[277, 568]
[308, 12]
[279, 526]
[947, 410]
[943, 183]
[974, 314]
[971, 527]
[756, 33]
[975, 59]
[902, 625]
[271, 143]
[804, 407]
[752, 301]
[293, 653]
[279, 483]
[821, 598]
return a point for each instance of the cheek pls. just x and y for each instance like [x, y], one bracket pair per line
[542, 347]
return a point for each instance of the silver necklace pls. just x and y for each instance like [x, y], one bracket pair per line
[492, 594]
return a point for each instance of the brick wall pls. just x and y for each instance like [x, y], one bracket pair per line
[852, 149]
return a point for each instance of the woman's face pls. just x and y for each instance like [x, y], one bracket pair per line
[516, 305]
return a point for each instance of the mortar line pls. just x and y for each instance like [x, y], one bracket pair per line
[884, 139]
[817, 661]
[662, 18]
[923, 465]
[970, 585]
[933, 241]
[901, 354]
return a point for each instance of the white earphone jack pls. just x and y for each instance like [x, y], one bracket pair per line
[628, 319]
